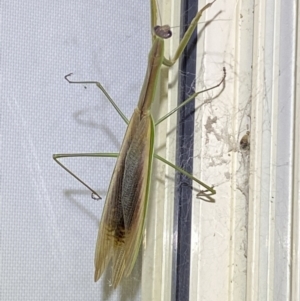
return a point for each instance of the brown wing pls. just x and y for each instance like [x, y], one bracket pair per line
[122, 222]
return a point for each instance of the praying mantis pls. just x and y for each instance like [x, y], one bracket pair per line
[123, 218]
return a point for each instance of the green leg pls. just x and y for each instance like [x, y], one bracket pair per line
[186, 36]
[202, 192]
[153, 16]
[190, 98]
[56, 158]
[103, 91]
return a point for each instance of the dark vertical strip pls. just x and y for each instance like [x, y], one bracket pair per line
[185, 139]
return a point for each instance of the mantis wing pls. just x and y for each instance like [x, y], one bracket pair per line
[123, 218]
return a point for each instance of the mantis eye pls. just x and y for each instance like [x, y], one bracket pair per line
[163, 32]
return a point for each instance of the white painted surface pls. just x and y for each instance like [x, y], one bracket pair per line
[219, 237]
[272, 161]
[245, 246]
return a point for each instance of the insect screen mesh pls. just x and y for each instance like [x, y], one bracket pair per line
[49, 222]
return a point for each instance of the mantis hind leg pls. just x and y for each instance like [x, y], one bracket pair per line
[203, 193]
[56, 158]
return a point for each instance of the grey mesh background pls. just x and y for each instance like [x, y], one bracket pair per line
[49, 222]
